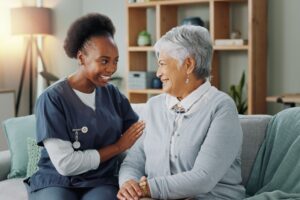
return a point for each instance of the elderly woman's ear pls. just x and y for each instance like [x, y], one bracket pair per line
[189, 64]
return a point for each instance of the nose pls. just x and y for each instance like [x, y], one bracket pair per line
[158, 72]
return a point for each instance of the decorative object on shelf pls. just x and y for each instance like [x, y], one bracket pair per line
[236, 92]
[197, 21]
[288, 99]
[235, 35]
[140, 79]
[131, 1]
[235, 40]
[156, 83]
[142, 1]
[144, 38]
[31, 22]
[230, 42]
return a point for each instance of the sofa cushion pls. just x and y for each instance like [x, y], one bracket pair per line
[17, 130]
[4, 164]
[13, 189]
[139, 109]
[34, 154]
[254, 129]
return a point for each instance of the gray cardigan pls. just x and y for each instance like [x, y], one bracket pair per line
[208, 151]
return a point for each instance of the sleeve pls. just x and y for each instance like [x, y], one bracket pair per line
[69, 162]
[51, 120]
[217, 153]
[133, 166]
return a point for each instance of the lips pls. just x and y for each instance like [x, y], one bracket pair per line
[164, 81]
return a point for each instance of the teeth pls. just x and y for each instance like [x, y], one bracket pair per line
[105, 77]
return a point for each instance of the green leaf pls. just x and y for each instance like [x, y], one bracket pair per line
[236, 92]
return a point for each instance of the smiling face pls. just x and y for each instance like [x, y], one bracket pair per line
[171, 74]
[99, 60]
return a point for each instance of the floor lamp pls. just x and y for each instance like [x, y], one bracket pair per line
[30, 22]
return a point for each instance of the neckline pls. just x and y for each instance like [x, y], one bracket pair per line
[76, 97]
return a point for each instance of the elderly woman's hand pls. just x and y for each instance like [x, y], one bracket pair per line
[131, 135]
[130, 190]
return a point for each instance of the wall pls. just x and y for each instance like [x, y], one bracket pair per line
[283, 49]
[65, 12]
[11, 49]
[116, 11]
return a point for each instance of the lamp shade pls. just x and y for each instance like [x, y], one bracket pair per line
[31, 20]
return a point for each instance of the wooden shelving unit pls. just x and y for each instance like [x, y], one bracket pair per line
[166, 14]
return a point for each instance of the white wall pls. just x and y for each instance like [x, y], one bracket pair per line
[65, 12]
[11, 53]
[283, 49]
[114, 9]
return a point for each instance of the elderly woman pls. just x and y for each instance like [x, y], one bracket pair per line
[192, 141]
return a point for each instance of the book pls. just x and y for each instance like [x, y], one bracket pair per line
[229, 42]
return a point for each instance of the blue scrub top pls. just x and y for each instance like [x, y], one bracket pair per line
[59, 111]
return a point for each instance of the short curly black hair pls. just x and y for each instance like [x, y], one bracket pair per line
[93, 24]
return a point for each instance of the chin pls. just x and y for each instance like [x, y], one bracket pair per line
[101, 83]
[166, 90]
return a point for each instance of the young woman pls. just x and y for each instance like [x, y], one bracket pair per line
[83, 122]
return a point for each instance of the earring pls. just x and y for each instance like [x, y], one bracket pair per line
[187, 80]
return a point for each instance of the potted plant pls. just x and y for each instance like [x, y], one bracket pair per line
[236, 92]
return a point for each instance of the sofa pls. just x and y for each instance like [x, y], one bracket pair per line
[254, 129]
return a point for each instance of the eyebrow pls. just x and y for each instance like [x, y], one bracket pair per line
[107, 57]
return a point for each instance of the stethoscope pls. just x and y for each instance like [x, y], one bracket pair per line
[76, 144]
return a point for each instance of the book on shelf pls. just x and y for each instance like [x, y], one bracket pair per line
[229, 42]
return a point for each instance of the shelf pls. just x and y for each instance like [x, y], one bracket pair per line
[167, 2]
[177, 2]
[180, 2]
[285, 98]
[146, 91]
[229, 48]
[223, 16]
[237, 1]
[143, 5]
[144, 48]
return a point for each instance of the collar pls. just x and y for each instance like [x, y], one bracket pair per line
[191, 99]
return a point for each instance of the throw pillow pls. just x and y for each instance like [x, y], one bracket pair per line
[34, 154]
[17, 130]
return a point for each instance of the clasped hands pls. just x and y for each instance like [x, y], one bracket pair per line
[133, 190]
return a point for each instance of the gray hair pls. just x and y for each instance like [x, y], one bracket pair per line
[188, 40]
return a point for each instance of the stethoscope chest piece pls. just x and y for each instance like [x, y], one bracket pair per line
[76, 144]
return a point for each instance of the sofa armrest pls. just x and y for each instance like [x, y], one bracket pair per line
[254, 130]
[4, 164]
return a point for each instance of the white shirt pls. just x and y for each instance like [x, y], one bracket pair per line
[67, 161]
